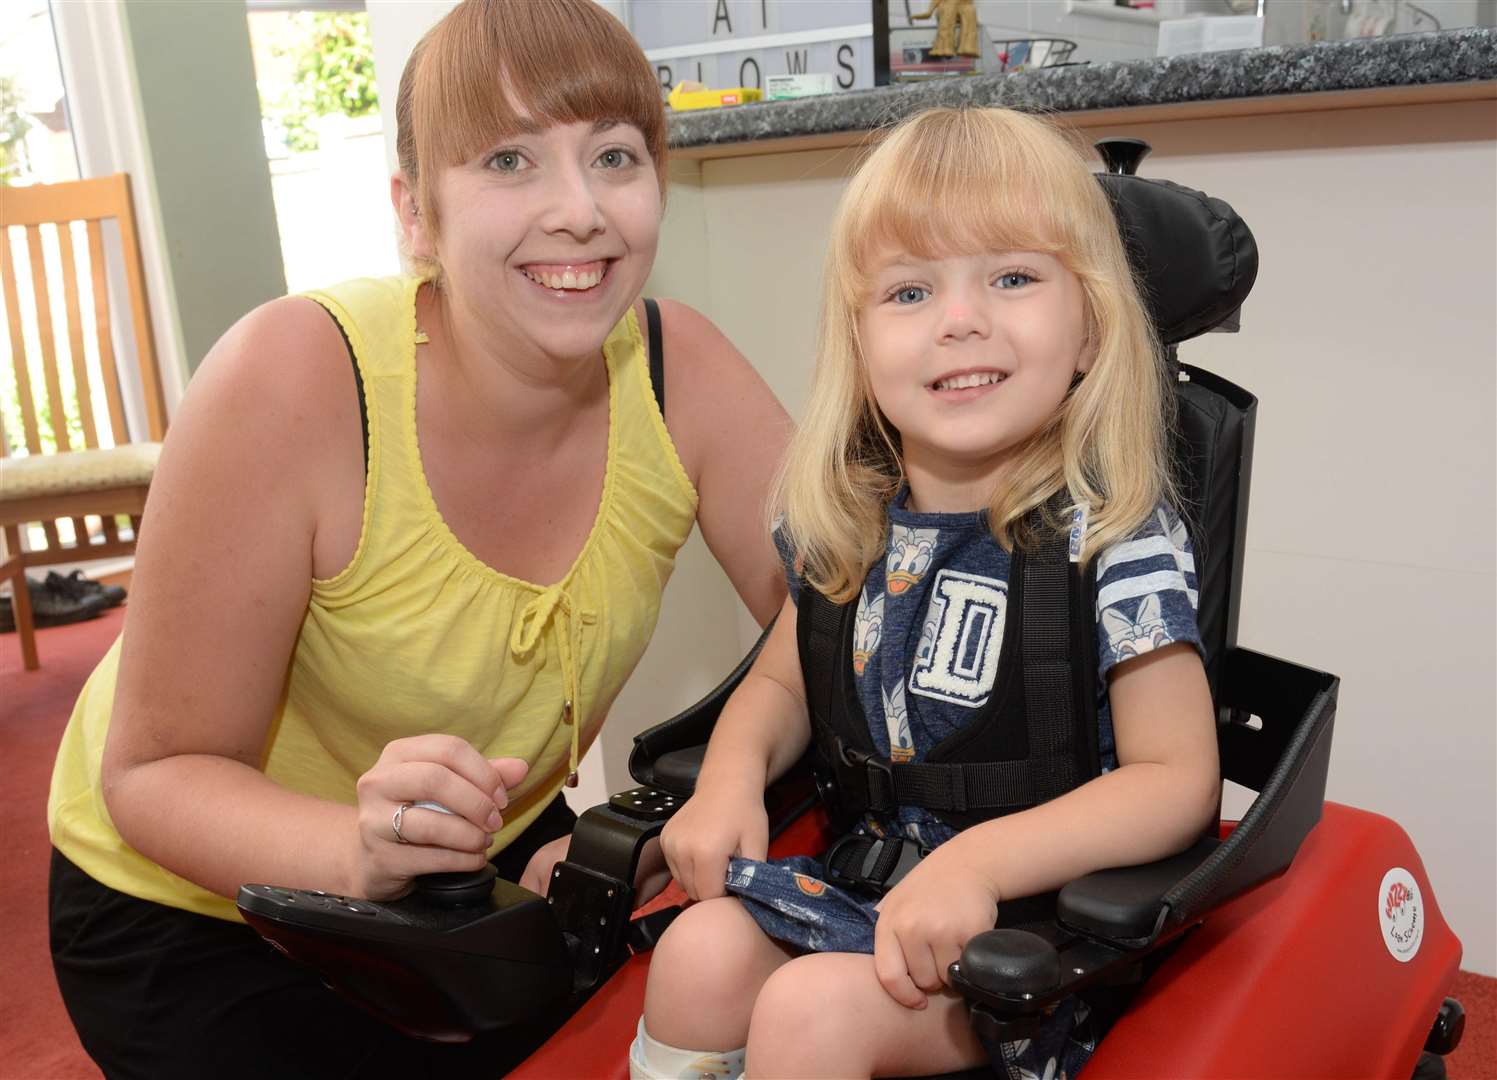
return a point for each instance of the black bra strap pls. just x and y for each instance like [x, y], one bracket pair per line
[657, 369]
[358, 380]
[657, 353]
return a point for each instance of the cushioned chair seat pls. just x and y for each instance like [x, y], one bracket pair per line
[77, 472]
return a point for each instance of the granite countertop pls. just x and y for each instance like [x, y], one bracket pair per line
[1451, 56]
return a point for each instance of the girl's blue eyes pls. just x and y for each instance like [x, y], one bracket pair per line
[913, 294]
[512, 161]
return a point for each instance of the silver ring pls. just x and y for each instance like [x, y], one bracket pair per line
[395, 821]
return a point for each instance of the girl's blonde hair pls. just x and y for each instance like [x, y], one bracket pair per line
[475, 73]
[961, 182]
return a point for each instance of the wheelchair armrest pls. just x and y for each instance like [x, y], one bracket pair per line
[1105, 924]
[1275, 736]
[676, 770]
[1126, 904]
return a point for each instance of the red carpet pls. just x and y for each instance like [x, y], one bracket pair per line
[37, 1041]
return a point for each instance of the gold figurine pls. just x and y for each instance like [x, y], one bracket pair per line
[948, 14]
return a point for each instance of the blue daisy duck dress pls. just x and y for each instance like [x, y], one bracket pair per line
[927, 637]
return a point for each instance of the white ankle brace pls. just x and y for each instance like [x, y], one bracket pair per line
[652, 1060]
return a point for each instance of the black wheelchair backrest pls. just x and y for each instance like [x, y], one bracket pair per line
[1195, 261]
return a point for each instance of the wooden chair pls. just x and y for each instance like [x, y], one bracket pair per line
[80, 458]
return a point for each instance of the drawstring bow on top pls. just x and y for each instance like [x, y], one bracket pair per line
[527, 632]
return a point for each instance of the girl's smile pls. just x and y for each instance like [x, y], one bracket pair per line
[966, 385]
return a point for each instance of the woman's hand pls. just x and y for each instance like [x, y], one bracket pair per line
[713, 825]
[434, 768]
[925, 921]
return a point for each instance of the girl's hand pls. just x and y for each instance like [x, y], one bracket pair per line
[924, 922]
[713, 825]
[435, 768]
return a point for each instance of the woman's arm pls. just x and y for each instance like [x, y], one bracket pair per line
[731, 434]
[263, 453]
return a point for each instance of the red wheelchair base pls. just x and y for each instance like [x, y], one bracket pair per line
[1297, 977]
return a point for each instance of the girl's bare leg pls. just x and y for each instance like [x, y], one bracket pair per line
[826, 1015]
[705, 974]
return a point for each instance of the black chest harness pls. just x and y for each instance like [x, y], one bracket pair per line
[1034, 738]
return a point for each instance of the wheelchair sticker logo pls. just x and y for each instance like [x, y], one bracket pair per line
[1400, 910]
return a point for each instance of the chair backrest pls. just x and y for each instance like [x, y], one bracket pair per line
[66, 371]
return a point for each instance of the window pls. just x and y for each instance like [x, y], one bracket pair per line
[325, 142]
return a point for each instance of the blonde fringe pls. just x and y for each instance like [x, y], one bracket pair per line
[922, 191]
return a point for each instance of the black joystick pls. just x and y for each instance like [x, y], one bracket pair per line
[460, 889]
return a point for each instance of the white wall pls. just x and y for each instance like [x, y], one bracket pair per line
[1371, 343]
[394, 28]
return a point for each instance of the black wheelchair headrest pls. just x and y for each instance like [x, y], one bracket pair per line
[1194, 258]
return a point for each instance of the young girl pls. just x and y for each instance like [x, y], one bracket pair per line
[984, 365]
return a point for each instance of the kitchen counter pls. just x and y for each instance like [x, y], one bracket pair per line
[1453, 65]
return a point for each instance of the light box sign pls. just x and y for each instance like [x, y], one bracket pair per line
[728, 43]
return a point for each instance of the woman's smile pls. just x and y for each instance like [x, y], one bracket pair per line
[566, 279]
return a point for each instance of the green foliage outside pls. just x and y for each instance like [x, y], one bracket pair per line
[14, 123]
[10, 410]
[334, 73]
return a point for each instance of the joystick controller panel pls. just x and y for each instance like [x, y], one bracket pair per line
[469, 953]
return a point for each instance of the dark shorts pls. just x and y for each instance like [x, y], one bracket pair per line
[159, 993]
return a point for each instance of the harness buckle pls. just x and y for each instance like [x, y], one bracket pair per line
[873, 864]
[874, 775]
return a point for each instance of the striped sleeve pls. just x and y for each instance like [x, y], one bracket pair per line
[1146, 591]
[788, 558]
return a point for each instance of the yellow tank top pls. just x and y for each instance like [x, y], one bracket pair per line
[416, 634]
